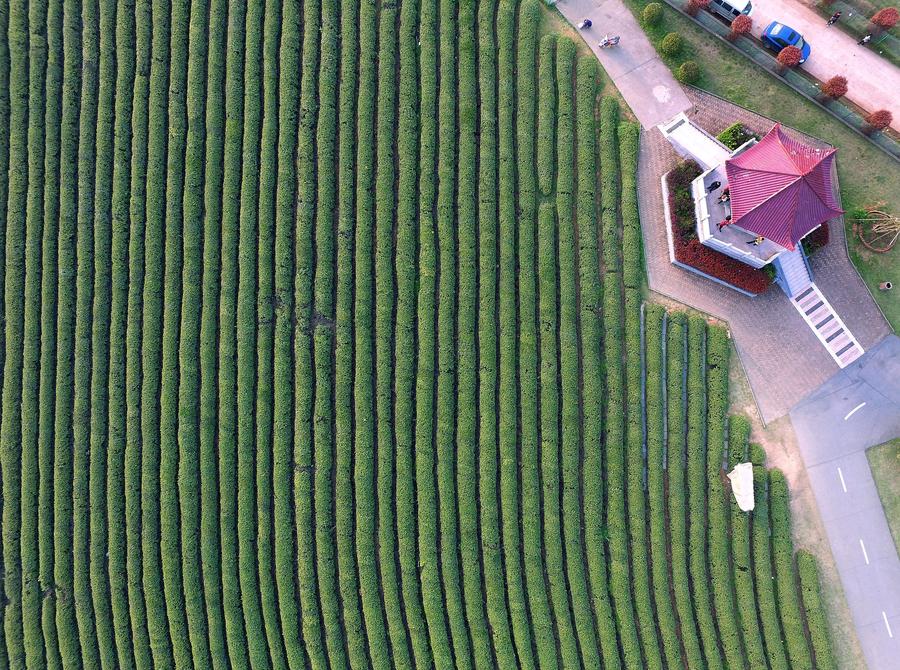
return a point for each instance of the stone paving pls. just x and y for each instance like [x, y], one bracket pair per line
[783, 359]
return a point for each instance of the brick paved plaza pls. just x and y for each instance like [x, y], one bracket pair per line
[782, 357]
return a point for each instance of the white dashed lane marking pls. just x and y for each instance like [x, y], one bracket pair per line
[863, 547]
[886, 624]
[843, 483]
[854, 410]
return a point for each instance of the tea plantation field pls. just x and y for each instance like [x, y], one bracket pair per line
[323, 346]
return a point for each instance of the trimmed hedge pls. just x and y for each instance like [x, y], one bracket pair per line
[808, 573]
[547, 113]
[742, 567]
[632, 265]
[676, 357]
[541, 617]
[785, 575]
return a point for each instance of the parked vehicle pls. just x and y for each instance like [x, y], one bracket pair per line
[730, 9]
[777, 36]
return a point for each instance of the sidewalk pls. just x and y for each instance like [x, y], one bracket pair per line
[872, 81]
[634, 66]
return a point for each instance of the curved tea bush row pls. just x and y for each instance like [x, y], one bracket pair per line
[676, 458]
[808, 573]
[538, 601]
[785, 577]
[507, 400]
[404, 342]
[591, 358]
[718, 546]
[697, 490]
[741, 559]
[763, 573]
[654, 318]
[568, 356]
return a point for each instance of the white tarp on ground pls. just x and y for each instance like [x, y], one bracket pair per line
[742, 485]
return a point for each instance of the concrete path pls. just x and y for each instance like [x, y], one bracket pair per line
[643, 79]
[857, 408]
[872, 81]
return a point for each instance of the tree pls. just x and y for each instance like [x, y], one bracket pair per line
[834, 88]
[788, 57]
[884, 19]
[740, 26]
[693, 6]
[877, 120]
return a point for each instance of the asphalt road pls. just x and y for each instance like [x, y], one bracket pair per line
[859, 407]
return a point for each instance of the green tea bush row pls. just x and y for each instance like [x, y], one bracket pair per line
[246, 332]
[762, 572]
[738, 435]
[654, 316]
[151, 347]
[632, 267]
[323, 338]
[265, 396]
[808, 573]
[616, 521]
[637, 513]
[539, 605]
[507, 400]
[426, 493]
[592, 358]
[226, 127]
[24, 561]
[173, 285]
[676, 354]
[788, 600]
[697, 490]
[550, 430]
[467, 474]
[568, 356]
[49, 301]
[446, 335]
[84, 290]
[546, 114]
[404, 343]
[718, 546]
[101, 577]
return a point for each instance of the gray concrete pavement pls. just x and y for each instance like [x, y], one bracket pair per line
[857, 408]
[634, 66]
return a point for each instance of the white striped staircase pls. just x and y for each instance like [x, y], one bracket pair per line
[827, 325]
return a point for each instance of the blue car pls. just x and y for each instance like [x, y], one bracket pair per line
[777, 36]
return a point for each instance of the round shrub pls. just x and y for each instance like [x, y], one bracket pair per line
[693, 7]
[757, 454]
[885, 19]
[652, 14]
[834, 88]
[789, 57]
[688, 72]
[671, 44]
[877, 120]
[740, 26]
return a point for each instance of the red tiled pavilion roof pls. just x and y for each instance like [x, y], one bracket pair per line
[781, 188]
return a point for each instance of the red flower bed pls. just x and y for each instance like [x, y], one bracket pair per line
[688, 249]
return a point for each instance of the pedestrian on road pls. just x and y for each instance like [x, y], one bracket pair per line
[834, 18]
[725, 222]
[584, 25]
[712, 187]
[726, 195]
[865, 39]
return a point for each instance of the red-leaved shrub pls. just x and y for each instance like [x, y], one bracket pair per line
[789, 57]
[885, 19]
[877, 120]
[688, 249]
[740, 26]
[692, 7]
[834, 88]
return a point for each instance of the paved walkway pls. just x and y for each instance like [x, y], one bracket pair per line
[872, 81]
[857, 408]
[634, 66]
[781, 355]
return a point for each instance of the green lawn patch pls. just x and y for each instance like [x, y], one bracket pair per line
[885, 463]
